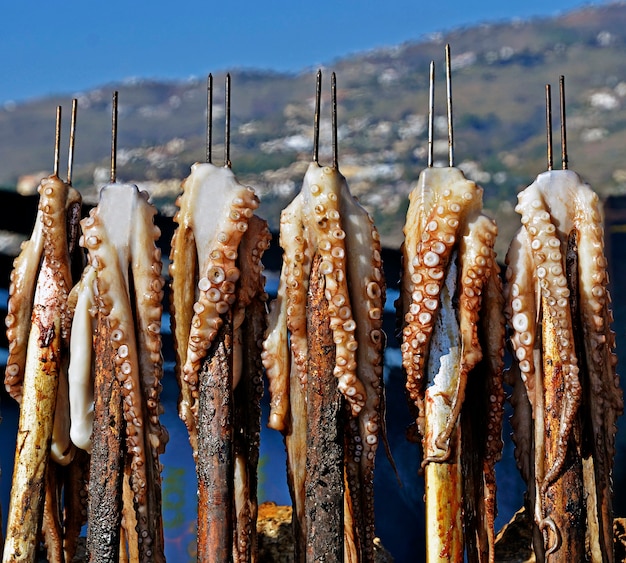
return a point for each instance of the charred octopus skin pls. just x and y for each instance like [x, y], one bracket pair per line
[38, 324]
[567, 397]
[118, 307]
[218, 315]
[325, 223]
[452, 347]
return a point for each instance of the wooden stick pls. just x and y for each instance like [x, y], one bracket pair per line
[247, 397]
[41, 377]
[442, 470]
[107, 458]
[564, 503]
[324, 484]
[215, 451]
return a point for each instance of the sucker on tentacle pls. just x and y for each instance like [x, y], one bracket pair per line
[38, 323]
[325, 223]
[218, 303]
[214, 211]
[561, 218]
[122, 288]
[38, 332]
[452, 344]
[448, 258]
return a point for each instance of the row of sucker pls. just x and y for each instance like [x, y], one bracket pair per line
[148, 284]
[548, 261]
[322, 211]
[50, 224]
[367, 294]
[597, 318]
[477, 262]
[112, 263]
[520, 308]
[297, 261]
[218, 273]
[248, 329]
[427, 250]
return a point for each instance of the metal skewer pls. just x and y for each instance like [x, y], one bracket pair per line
[316, 117]
[209, 118]
[227, 163]
[114, 138]
[70, 155]
[333, 95]
[564, 162]
[431, 112]
[449, 103]
[549, 126]
[57, 141]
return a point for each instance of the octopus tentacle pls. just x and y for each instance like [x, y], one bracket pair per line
[297, 268]
[216, 239]
[548, 259]
[20, 307]
[520, 308]
[325, 224]
[365, 278]
[276, 359]
[562, 227]
[453, 344]
[38, 331]
[478, 262]
[436, 219]
[183, 273]
[116, 242]
[248, 326]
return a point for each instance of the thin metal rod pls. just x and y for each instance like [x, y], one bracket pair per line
[549, 126]
[114, 138]
[70, 154]
[564, 162]
[449, 101]
[431, 112]
[316, 117]
[227, 127]
[333, 95]
[209, 118]
[57, 141]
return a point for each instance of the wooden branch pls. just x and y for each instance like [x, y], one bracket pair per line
[214, 464]
[107, 458]
[324, 484]
[34, 433]
[563, 500]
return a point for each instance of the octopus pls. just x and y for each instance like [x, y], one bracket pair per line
[452, 354]
[47, 465]
[115, 375]
[218, 316]
[331, 270]
[567, 396]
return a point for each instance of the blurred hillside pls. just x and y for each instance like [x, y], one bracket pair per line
[499, 76]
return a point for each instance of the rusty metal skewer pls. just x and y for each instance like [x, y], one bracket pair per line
[70, 155]
[227, 124]
[549, 126]
[449, 105]
[114, 138]
[57, 142]
[316, 117]
[564, 162]
[333, 95]
[431, 112]
[209, 118]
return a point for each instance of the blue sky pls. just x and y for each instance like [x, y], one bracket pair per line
[69, 46]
